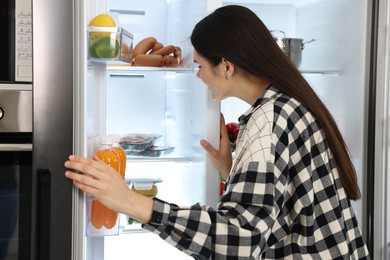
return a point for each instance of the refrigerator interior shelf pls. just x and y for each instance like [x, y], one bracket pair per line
[128, 67]
[100, 61]
[169, 158]
[265, 2]
[321, 72]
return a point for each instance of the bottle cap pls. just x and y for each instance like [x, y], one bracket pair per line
[115, 138]
[105, 140]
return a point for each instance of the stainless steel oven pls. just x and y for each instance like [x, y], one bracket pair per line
[15, 174]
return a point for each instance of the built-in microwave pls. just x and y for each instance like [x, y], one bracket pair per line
[16, 43]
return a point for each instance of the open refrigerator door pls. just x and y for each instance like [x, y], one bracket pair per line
[159, 112]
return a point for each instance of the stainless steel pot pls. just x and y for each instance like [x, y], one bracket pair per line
[292, 47]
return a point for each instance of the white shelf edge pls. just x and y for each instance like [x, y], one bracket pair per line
[134, 68]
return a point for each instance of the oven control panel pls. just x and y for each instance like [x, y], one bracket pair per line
[15, 111]
[23, 41]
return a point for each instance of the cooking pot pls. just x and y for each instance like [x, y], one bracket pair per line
[292, 47]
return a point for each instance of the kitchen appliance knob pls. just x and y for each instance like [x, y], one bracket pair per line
[1, 113]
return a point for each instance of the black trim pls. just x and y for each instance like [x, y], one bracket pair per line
[43, 213]
[7, 44]
[16, 138]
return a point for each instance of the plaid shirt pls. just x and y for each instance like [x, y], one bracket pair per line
[283, 199]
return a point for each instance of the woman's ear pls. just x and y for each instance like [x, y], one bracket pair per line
[229, 68]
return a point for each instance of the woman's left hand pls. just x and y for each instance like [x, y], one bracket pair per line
[222, 156]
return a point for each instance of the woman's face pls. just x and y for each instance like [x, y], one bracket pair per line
[213, 77]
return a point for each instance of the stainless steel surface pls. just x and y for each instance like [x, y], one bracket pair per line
[292, 47]
[52, 126]
[15, 147]
[15, 86]
[15, 111]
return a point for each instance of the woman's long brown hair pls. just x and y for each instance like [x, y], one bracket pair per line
[238, 35]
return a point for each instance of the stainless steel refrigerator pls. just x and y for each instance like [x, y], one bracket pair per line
[76, 101]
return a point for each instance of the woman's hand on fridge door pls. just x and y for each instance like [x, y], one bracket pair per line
[221, 157]
[107, 185]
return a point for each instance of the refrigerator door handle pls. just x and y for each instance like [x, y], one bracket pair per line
[43, 214]
[15, 147]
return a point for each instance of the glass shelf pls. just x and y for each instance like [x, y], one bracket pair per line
[125, 67]
[194, 70]
[167, 158]
[321, 72]
[135, 68]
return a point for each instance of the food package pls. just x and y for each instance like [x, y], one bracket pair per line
[137, 142]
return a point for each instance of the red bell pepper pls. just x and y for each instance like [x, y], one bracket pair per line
[232, 129]
[221, 187]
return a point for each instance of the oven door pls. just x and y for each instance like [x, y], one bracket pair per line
[15, 196]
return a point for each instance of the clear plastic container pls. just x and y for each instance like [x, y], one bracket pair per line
[109, 45]
[138, 142]
[144, 186]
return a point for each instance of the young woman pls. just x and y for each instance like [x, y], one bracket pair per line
[288, 192]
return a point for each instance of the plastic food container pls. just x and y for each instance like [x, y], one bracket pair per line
[137, 142]
[145, 186]
[109, 44]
